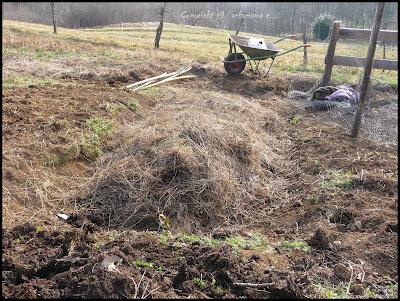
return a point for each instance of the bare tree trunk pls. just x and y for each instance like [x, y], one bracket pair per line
[293, 17]
[160, 28]
[52, 4]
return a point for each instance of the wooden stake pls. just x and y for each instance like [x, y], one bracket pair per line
[149, 79]
[183, 69]
[169, 80]
[368, 67]
[254, 285]
[144, 85]
[330, 53]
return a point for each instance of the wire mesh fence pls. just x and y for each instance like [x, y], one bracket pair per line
[381, 115]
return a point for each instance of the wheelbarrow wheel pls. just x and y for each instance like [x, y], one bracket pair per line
[234, 67]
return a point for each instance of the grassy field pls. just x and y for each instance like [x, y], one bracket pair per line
[196, 43]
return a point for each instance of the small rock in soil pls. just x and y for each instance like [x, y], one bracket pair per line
[351, 227]
[342, 272]
[110, 261]
[358, 225]
[320, 240]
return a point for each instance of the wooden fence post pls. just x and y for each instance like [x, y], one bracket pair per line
[384, 53]
[330, 53]
[305, 57]
[368, 67]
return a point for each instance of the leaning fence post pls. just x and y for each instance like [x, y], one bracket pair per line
[368, 67]
[384, 53]
[305, 57]
[330, 53]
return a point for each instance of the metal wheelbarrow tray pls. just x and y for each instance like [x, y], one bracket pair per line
[235, 62]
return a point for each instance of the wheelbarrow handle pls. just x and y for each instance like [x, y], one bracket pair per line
[285, 37]
[290, 50]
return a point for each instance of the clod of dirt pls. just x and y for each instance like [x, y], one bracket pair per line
[23, 229]
[374, 222]
[221, 233]
[254, 257]
[392, 228]
[8, 174]
[357, 289]
[180, 277]
[199, 69]
[342, 272]
[320, 240]
[115, 79]
[134, 75]
[342, 216]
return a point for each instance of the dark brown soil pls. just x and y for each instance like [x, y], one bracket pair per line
[67, 263]
[352, 232]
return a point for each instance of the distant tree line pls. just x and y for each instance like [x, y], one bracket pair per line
[277, 18]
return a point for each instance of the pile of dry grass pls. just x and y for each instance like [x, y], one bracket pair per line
[203, 164]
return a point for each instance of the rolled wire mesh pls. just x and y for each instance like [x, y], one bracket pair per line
[381, 114]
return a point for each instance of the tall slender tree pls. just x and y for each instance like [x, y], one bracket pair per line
[53, 13]
[293, 17]
[160, 27]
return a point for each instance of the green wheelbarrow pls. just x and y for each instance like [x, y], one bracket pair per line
[235, 62]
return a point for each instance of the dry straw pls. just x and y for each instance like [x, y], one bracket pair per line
[203, 164]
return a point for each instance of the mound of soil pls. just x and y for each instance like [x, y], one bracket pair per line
[79, 263]
[248, 84]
